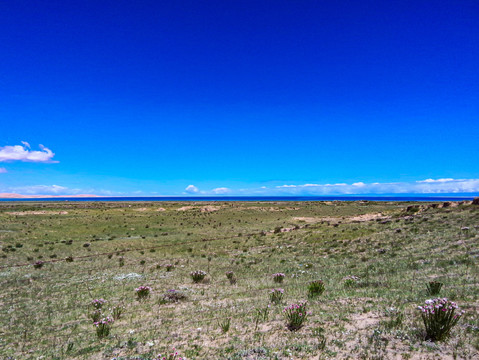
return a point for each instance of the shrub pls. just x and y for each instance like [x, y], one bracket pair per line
[198, 276]
[117, 311]
[98, 303]
[173, 295]
[278, 277]
[143, 292]
[38, 264]
[169, 267]
[351, 281]
[121, 262]
[95, 315]
[434, 287]
[276, 296]
[315, 288]
[224, 324]
[172, 356]
[69, 259]
[103, 327]
[439, 318]
[295, 315]
[231, 277]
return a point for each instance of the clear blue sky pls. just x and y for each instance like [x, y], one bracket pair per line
[154, 96]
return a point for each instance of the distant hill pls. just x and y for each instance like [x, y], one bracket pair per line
[20, 196]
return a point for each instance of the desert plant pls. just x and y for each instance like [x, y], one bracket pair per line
[231, 277]
[433, 288]
[103, 327]
[98, 303]
[261, 315]
[439, 318]
[95, 315]
[276, 295]
[143, 292]
[173, 295]
[169, 267]
[172, 356]
[117, 311]
[224, 324]
[38, 264]
[315, 288]
[278, 277]
[296, 315]
[198, 276]
[121, 262]
[351, 281]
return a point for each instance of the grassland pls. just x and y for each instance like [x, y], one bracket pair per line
[105, 250]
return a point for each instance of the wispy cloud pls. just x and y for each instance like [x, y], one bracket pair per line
[191, 189]
[3, 170]
[221, 191]
[42, 190]
[428, 186]
[23, 153]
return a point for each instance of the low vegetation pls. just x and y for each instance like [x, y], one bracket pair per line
[359, 280]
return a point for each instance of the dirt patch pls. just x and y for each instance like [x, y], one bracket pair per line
[350, 219]
[161, 209]
[141, 209]
[23, 213]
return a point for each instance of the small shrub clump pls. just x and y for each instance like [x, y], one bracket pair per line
[103, 327]
[276, 296]
[143, 292]
[173, 296]
[278, 277]
[117, 311]
[98, 303]
[95, 315]
[296, 315]
[38, 264]
[315, 288]
[198, 276]
[172, 356]
[231, 277]
[439, 318]
[351, 281]
[434, 288]
[169, 267]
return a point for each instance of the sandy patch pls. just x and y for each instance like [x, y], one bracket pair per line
[161, 209]
[359, 218]
[141, 209]
[23, 213]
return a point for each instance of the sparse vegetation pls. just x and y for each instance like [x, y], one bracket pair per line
[376, 270]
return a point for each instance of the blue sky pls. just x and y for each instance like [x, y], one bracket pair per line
[239, 97]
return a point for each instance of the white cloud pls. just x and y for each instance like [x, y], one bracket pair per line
[42, 190]
[3, 171]
[191, 189]
[428, 186]
[221, 191]
[22, 153]
[435, 181]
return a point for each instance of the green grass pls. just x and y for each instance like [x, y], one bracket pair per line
[44, 312]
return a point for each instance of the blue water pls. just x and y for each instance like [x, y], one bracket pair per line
[263, 198]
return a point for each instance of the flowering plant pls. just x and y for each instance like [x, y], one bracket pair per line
[95, 315]
[439, 318]
[169, 267]
[143, 292]
[315, 288]
[278, 277]
[276, 295]
[103, 327]
[198, 276]
[98, 303]
[172, 356]
[296, 315]
[117, 311]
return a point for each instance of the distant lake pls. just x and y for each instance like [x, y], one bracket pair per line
[258, 198]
